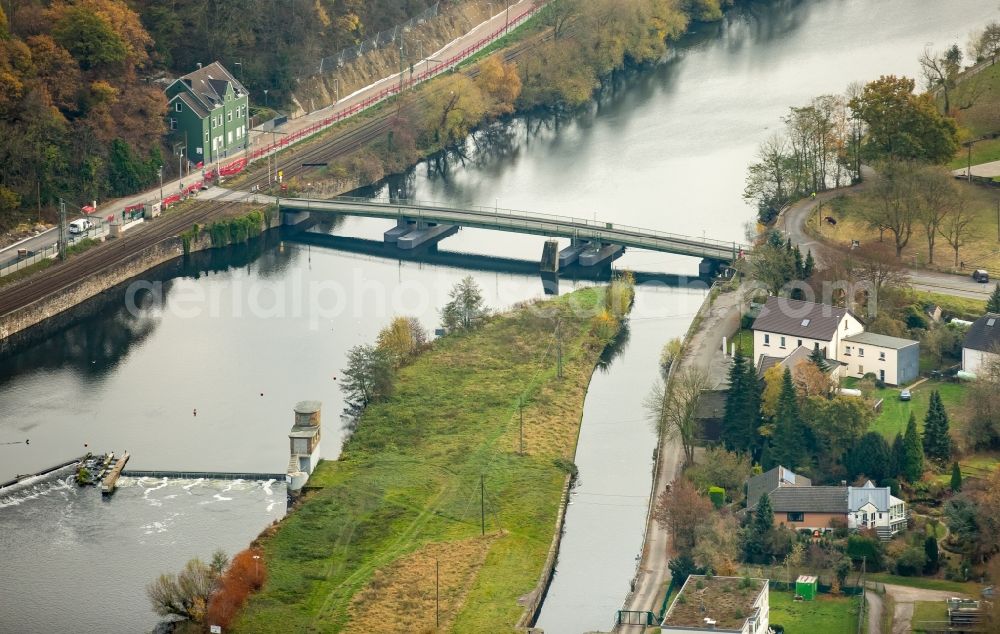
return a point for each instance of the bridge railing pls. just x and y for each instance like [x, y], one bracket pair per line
[503, 212]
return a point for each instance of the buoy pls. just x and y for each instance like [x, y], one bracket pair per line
[196, 412]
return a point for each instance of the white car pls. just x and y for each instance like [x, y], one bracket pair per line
[904, 395]
[80, 225]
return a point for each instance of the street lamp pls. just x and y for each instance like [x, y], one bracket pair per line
[256, 568]
[265, 97]
[336, 87]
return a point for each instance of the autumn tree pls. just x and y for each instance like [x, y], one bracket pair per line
[903, 126]
[681, 510]
[402, 339]
[501, 83]
[718, 467]
[941, 71]
[957, 227]
[184, 595]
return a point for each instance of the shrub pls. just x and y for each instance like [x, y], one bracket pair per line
[717, 495]
[911, 562]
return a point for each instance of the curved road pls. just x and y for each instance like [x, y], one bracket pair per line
[793, 221]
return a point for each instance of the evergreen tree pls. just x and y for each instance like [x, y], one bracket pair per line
[931, 551]
[913, 456]
[799, 266]
[937, 442]
[993, 303]
[871, 457]
[757, 530]
[742, 413]
[819, 359]
[898, 458]
[809, 266]
[788, 443]
[956, 477]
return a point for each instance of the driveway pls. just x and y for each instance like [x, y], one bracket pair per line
[905, 597]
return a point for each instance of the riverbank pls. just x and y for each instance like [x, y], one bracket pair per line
[436, 475]
[98, 271]
[718, 317]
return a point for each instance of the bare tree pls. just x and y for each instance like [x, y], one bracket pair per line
[876, 268]
[893, 201]
[185, 594]
[937, 195]
[957, 227]
[940, 71]
[674, 410]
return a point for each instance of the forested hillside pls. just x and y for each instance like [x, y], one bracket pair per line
[81, 116]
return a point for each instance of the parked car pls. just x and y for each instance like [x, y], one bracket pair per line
[981, 276]
[904, 395]
[81, 225]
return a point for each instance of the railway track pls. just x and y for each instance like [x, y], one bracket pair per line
[100, 258]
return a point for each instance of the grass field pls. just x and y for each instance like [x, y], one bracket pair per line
[969, 588]
[358, 553]
[896, 413]
[828, 614]
[928, 612]
[961, 307]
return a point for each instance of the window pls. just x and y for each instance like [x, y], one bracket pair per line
[177, 107]
[173, 123]
[229, 117]
[845, 324]
[861, 351]
[881, 356]
[847, 351]
[861, 369]
[782, 342]
[815, 345]
[805, 322]
[767, 339]
[796, 517]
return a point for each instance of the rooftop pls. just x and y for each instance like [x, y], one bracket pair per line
[809, 500]
[728, 601]
[308, 407]
[799, 319]
[770, 480]
[984, 334]
[882, 341]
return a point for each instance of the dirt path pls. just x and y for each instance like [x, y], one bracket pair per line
[905, 597]
[875, 610]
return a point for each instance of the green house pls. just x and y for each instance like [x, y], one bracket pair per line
[208, 113]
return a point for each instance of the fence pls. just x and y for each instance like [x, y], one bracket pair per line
[380, 39]
[16, 264]
[396, 87]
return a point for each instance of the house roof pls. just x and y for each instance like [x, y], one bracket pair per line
[195, 104]
[801, 354]
[857, 497]
[809, 500]
[770, 480]
[799, 319]
[715, 603]
[882, 341]
[984, 334]
[209, 85]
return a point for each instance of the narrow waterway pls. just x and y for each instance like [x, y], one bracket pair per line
[243, 337]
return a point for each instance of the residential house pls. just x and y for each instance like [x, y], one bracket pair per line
[719, 604]
[208, 112]
[800, 506]
[801, 354]
[893, 360]
[786, 325]
[981, 346]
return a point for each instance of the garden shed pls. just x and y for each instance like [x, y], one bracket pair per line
[805, 587]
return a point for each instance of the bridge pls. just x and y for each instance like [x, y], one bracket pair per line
[420, 222]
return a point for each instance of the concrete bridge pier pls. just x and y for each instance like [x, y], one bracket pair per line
[550, 257]
[597, 254]
[410, 234]
[292, 218]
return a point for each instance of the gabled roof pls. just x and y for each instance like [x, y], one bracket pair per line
[800, 319]
[768, 481]
[809, 500]
[192, 103]
[801, 354]
[208, 84]
[882, 341]
[860, 496]
[984, 334]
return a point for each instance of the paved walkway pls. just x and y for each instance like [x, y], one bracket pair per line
[704, 350]
[986, 170]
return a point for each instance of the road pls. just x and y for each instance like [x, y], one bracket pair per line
[258, 137]
[793, 222]
[704, 351]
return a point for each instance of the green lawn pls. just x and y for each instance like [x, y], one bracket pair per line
[961, 307]
[744, 341]
[978, 465]
[406, 489]
[969, 588]
[928, 612]
[896, 413]
[828, 614]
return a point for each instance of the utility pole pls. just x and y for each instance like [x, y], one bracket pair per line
[161, 183]
[506, 28]
[62, 229]
[482, 503]
[998, 221]
[559, 369]
[520, 411]
[437, 593]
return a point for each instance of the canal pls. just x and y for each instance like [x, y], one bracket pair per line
[239, 340]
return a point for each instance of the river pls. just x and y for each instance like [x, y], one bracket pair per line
[238, 341]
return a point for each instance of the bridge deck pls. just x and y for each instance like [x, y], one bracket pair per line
[524, 222]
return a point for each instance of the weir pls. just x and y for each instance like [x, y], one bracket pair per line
[205, 475]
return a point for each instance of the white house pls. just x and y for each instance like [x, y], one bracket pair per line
[981, 346]
[719, 604]
[785, 325]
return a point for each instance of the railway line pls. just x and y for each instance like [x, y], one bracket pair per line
[100, 258]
